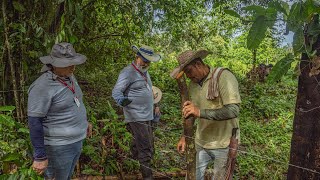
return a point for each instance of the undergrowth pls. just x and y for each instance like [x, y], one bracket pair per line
[267, 112]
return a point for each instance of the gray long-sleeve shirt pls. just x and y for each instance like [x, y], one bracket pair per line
[132, 85]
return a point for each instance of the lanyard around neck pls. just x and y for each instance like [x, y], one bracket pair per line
[141, 73]
[65, 84]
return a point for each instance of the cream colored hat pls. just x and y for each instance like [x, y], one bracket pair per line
[157, 94]
[147, 52]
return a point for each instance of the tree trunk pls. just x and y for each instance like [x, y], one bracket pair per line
[3, 81]
[188, 132]
[10, 59]
[305, 143]
[57, 18]
[254, 58]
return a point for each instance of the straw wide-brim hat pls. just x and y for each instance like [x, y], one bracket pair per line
[147, 52]
[186, 58]
[157, 94]
[63, 55]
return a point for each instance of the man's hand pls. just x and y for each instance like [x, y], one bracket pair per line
[181, 145]
[157, 111]
[190, 109]
[40, 166]
[125, 102]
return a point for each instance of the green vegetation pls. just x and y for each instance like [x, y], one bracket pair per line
[104, 31]
[266, 127]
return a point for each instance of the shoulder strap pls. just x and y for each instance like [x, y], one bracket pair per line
[213, 89]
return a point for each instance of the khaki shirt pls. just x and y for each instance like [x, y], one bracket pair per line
[212, 134]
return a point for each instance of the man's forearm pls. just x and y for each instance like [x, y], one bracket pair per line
[228, 111]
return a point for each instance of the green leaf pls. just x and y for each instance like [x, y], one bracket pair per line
[33, 54]
[298, 40]
[294, 11]
[312, 7]
[6, 120]
[13, 176]
[90, 171]
[296, 16]
[282, 7]
[257, 32]
[314, 26]
[18, 6]
[79, 16]
[232, 13]
[7, 108]
[70, 6]
[73, 39]
[217, 4]
[271, 14]
[23, 130]
[10, 157]
[281, 68]
[255, 9]
[39, 32]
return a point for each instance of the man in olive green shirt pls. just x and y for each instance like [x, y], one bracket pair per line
[215, 100]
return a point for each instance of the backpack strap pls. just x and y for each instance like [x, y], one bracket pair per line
[213, 89]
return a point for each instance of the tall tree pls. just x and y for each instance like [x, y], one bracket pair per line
[302, 18]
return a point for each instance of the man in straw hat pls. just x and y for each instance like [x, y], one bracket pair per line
[56, 114]
[215, 102]
[133, 92]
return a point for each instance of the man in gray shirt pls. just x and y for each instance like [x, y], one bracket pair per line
[133, 92]
[56, 114]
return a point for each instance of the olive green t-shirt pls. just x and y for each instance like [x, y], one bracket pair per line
[212, 134]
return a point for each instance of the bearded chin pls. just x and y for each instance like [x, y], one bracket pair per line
[143, 69]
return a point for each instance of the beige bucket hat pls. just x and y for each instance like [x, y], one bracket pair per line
[157, 94]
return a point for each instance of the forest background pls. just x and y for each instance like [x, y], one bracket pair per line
[105, 30]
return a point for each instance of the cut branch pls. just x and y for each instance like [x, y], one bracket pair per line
[188, 131]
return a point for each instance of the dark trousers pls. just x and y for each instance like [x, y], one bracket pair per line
[142, 146]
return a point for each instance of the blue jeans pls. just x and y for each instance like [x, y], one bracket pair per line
[62, 160]
[205, 156]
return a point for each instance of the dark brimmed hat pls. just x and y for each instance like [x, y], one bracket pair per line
[63, 55]
[147, 52]
[186, 58]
